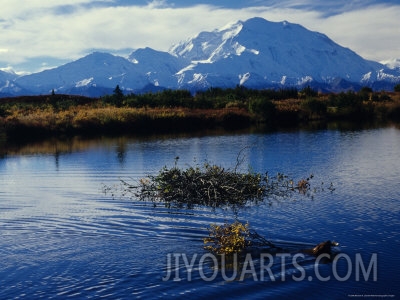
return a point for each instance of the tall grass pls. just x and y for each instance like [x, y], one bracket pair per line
[88, 119]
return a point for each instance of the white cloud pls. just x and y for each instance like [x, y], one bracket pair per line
[14, 9]
[158, 4]
[40, 30]
[372, 32]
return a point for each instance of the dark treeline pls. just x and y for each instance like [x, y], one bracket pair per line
[213, 98]
[271, 105]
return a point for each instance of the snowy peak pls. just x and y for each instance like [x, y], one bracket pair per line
[237, 38]
[103, 71]
[260, 53]
[158, 67]
[96, 70]
[7, 76]
[151, 59]
[7, 85]
[209, 46]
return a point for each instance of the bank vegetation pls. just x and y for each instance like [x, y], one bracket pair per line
[179, 110]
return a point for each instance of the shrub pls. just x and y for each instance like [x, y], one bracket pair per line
[308, 92]
[3, 112]
[233, 238]
[264, 108]
[314, 107]
[366, 93]
[227, 238]
[212, 186]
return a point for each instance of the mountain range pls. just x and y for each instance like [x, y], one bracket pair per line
[255, 53]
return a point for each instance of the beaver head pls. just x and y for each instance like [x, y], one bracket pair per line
[324, 247]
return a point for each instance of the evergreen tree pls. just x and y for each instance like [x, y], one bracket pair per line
[118, 96]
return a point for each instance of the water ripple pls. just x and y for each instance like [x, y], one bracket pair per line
[62, 238]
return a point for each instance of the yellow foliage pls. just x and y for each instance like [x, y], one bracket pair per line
[227, 238]
[287, 105]
[303, 186]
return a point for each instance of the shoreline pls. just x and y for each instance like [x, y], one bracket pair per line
[38, 117]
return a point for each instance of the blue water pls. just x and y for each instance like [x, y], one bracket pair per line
[62, 237]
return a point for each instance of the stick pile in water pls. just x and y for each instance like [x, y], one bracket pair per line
[212, 186]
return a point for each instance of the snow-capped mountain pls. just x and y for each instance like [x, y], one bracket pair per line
[97, 71]
[7, 85]
[261, 53]
[255, 53]
[158, 66]
[4, 76]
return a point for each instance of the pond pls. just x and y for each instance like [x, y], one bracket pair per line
[62, 237]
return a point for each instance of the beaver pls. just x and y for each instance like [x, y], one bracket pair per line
[321, 248]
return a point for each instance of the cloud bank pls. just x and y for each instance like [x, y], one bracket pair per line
[44, 32]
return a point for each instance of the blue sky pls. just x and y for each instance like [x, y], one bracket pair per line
[40, 34]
